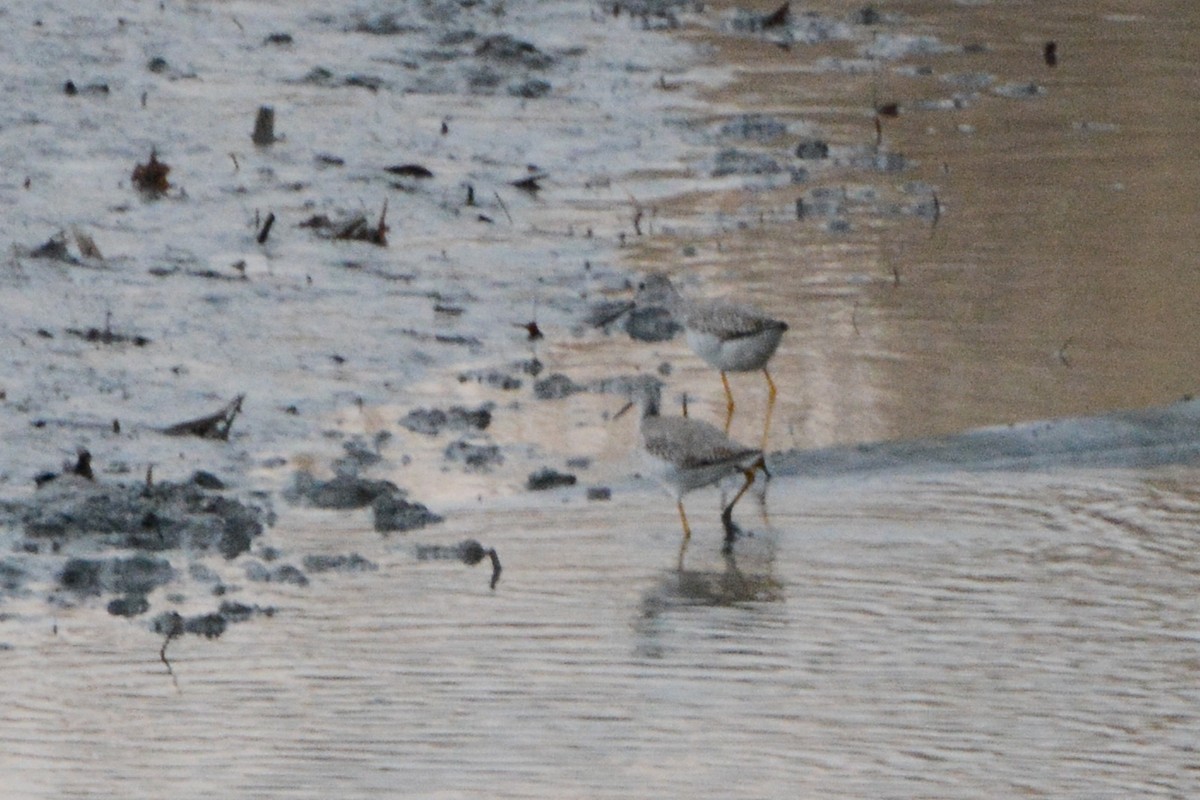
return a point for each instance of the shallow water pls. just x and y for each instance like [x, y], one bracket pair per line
[932, 634]
[963, 636]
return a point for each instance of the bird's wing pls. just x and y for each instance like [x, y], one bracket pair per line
[729, 321]
[692, 443]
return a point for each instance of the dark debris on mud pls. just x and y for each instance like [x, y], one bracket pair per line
[122, 542]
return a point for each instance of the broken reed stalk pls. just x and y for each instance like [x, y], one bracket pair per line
[212, 426]
[266, 228]
[357, 229]
[503, 207]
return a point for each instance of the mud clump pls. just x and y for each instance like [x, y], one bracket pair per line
[340, 492]
[172, 624]
[338, 563]
[477, 457]
[432, 421]
[505, 48]
[135, 576]
[164, 516]
[555, 387]
[395, 514]
[284, 573]
[547, 478]
[129, 606]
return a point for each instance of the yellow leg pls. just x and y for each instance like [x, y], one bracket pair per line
[770, 408]
[728, 401]
[687, 532]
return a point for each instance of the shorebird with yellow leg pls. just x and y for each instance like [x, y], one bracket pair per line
[686, 454]
[727, 336]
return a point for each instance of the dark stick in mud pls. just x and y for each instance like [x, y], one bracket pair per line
[212, 426]
[266, 228]
[503, 207]
[174, 629]
[472, 552]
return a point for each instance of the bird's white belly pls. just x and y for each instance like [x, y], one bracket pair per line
[743, 354]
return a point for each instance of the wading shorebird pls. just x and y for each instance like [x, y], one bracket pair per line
[687, 454]
[728, 337]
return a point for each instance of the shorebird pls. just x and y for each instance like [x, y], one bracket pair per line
[686, 454]
[728, 337]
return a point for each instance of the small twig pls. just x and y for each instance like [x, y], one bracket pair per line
[503, 207]
[854, 319]
[491, 552]
[211, 426]
[382, 228]
[266, 228]
[937, 209]
[162, 656]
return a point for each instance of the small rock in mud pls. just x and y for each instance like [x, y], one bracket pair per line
[867, 15]
[506, 48]
[54, 248]
[207, 480]
[341, 492]
[168, 623]
[358, 455]
[493, 378]
[547, 478]
[395, 514]
[531, 366]
[284, 573]
[11, 577]
[236, 612]
[741, 162]
[478, 457]
[555, 387]
[595, 493]
[884, 162]
[531, 89]
[210, 626]
[432, 421]
[339, 563]
[383, 25]
[812, 149]
[756, 127]
[131, 605]
[1019, 90]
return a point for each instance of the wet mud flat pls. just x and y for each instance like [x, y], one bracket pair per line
[401, 233]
